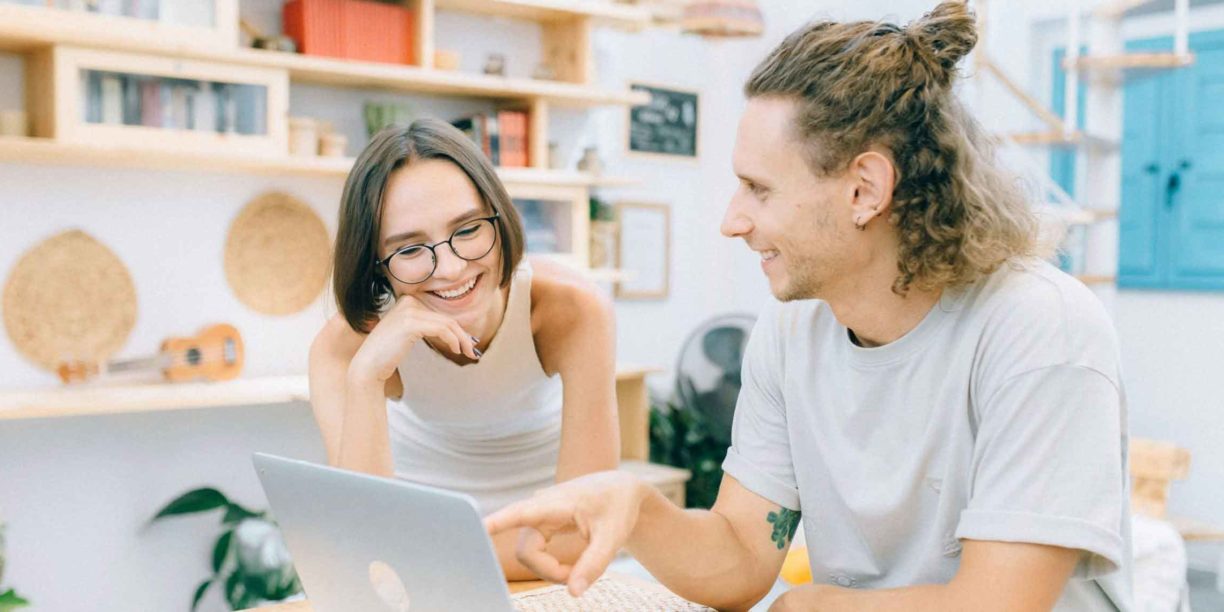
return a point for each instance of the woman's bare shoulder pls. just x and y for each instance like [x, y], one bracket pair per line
[337, 339]
[563, 295]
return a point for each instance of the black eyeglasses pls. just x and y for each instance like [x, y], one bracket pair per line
[415, 263]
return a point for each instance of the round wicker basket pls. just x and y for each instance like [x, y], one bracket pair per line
[69, 298]
[277, 254]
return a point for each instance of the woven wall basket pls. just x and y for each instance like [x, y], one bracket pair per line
[69, 298]
[277, 255]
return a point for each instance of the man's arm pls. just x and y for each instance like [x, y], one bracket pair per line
[993, 577]
[727, 557]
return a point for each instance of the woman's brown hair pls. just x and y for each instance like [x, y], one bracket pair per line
[361, 287]
[958, 215]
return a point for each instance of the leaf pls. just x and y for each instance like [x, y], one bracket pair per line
[235, 513]
[199, 593]
[234, 592]
[198, 500]
[10, 600]
[290, 588]
[221, 550]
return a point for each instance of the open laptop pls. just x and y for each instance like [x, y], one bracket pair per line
[367, 543]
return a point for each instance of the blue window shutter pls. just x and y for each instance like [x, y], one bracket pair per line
[1145, 120]
[1142, 184]
[1195, 212]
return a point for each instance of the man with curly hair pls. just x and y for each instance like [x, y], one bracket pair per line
[939, 408]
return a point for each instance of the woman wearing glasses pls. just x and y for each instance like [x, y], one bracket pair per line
[453, 361]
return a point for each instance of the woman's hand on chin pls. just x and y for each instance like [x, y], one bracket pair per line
[407, 323]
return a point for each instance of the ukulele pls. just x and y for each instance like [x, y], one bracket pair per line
[215, 353]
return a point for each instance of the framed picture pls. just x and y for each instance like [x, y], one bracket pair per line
[643, 252]
[665, 127]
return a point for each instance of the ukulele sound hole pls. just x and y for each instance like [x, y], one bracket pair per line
[193, 356]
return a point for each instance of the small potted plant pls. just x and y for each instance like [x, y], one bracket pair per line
[249, 559]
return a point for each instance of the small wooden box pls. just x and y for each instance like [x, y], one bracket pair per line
[72, 95]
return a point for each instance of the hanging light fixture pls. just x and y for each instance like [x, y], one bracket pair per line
[722, 18]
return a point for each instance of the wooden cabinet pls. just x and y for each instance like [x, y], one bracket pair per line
[136, 101]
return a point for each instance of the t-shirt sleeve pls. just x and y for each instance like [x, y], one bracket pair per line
[1048, 466]
[760, 455]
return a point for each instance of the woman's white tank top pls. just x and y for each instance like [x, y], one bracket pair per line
[491, 429]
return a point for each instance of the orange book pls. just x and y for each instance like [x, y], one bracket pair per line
[526, 139]
[513, 126]
[351, 29]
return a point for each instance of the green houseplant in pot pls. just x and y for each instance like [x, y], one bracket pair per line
[249, 560]
[681, 437]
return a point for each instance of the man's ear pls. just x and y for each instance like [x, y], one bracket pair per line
[873, 177]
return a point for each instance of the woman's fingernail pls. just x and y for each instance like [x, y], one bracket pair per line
[475, 339]
[477, 352]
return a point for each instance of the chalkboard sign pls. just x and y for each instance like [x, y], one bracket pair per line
[667, 125]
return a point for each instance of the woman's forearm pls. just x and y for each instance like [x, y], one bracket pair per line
[364, 442]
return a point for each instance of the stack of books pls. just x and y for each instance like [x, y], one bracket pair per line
[502, 135]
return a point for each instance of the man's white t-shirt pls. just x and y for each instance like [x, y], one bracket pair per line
[1000, 417]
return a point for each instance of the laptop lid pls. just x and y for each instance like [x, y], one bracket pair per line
[362, 542]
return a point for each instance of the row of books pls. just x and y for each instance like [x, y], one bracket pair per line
[178, 104]
[502, 135]
[141, 9]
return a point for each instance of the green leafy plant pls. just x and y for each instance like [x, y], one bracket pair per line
[679, 437]
[9, 600]
[249, 559]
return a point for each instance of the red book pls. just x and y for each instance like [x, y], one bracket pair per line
[526, 139]
[351, 29]
[315, 26]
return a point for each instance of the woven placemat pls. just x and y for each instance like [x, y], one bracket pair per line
[277, 254]
[608, 594]
[69, 298]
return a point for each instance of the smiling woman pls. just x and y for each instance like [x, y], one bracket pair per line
[453, 358]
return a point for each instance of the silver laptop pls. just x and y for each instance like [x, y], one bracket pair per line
[365, 543]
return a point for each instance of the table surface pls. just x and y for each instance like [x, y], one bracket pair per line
[515, 587]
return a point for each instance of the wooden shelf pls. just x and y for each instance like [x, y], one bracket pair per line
[151, 397]
[1130, 61]
[562, 178]
[102, 399]
[26, 28]
[1057, 138]
[605, 12]
[1117, 9]
[1193, 530]
[346, 73]
[1077, 216]
[1096, 279]
[50, 152]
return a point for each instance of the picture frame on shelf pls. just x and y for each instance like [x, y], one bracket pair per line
[643, 252]
[667, 126]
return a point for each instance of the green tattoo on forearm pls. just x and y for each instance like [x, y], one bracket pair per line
[785, 522]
